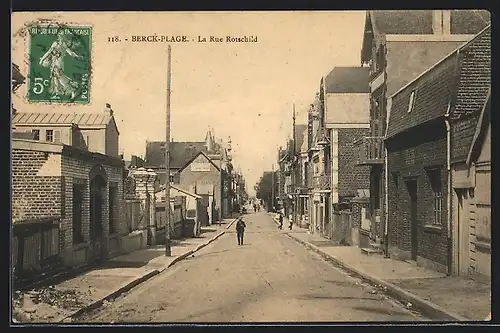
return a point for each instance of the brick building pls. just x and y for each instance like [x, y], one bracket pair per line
[471, 207]
[347, 119]
[397, 47]
[420, 152]
[342, 117]
[84, 189]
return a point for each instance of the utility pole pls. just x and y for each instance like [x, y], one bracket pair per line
[168, 250]
[294, 170]
[272, 187]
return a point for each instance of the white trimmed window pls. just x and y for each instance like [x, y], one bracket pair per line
[411, 103]
[437, 191]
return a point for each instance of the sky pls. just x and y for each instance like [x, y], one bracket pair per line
[245, 91]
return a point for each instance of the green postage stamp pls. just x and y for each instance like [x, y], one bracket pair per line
[59, 63]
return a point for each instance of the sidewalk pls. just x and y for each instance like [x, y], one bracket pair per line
[101, 284]
[434, 294]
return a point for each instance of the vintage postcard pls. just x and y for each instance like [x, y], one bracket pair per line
[225, 167]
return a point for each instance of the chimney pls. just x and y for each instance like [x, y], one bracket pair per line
[108, 109]
[437, 22]
[447, 22]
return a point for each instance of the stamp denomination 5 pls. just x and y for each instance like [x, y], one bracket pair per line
[59, 64]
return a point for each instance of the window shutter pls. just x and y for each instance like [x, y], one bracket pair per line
[57, 136]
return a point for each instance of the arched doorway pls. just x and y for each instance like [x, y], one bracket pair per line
[98, 181]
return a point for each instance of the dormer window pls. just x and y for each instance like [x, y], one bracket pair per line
[411, 103]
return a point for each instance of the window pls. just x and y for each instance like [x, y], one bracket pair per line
[57, 136]
[437, 190]
[36, 134]
[411, 102]
[172, 179]
[49, 135]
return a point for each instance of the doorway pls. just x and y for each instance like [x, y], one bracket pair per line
[411, 185]
[463, 232]
[97, 196]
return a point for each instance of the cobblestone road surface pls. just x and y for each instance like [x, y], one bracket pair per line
[269, 278]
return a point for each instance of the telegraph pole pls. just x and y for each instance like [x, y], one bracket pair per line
[294, 168]
[272, 187]
[168, 250]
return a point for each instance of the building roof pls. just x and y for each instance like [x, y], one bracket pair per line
[180, 153]
[419, 22]
[347, 80]
[469, 21]
[475, 75]
[434, 88]
[49, 118]
[482, 126]
[432, 93]
[196, 156]
[408, 22]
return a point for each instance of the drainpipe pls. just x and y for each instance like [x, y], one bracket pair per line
[449, 194]
[386, 202]
[449, 215]
[386, 182]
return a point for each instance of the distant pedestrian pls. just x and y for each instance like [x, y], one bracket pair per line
[240, 230]
[280, 217]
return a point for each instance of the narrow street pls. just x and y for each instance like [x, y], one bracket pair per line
[269, 278]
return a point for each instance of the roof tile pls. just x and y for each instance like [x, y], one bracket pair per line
[348, 80]
[81, 119]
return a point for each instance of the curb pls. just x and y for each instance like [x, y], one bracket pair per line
[230, 224]
[124, 288]
[427, 308]
[199, 247]
[129, 285]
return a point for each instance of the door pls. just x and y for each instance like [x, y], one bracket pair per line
[412, 191]
[96, 224]
[463, 232]
[77, 213]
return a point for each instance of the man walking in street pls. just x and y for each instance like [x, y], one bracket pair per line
[240, 230]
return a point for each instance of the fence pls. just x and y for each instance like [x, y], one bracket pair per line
[35, 247]
[133, 214]
[178, 218]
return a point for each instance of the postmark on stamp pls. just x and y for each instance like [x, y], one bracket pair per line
[59, 63]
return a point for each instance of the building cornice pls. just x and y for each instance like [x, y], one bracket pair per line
[429, 38]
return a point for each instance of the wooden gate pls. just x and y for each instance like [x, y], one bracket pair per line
[35, 247]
